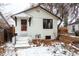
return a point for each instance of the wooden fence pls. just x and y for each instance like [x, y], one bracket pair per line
[69, 38]
[1, 36]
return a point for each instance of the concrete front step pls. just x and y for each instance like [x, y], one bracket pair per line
[21, 45]
[22, 42]
[23, 38]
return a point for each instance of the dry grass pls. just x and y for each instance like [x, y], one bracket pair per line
[45, 42]
[2, 51]
[69, 39]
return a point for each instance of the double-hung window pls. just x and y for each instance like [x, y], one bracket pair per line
[47, 23]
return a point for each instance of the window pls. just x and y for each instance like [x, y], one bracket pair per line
[48, 37]
[47, 23]
[23, 25]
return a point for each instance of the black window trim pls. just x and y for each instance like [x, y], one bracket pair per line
[47, 21]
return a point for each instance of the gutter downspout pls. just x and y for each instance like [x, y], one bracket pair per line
[58, 28]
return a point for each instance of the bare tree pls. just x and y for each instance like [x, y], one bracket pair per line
[63, 11]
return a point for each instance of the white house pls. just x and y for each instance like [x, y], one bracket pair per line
[36, 22]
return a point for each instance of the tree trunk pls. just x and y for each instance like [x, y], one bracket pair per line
[65, 22]
[58, 29]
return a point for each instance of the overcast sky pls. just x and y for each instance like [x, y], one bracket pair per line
[20, 5]
[15, 5]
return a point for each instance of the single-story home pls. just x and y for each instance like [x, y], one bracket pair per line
[36, 22]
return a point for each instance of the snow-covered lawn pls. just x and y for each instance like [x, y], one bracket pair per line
[55, 50]
[34, 51]
[10, 50]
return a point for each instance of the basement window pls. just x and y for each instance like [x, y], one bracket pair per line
[47, 23]
[47, 37]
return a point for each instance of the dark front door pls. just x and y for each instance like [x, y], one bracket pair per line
[23, 25]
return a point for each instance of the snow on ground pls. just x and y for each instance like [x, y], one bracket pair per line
[34, 51]
[54, 50]
[9, 50]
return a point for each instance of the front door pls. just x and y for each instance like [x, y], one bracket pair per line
[23, 25]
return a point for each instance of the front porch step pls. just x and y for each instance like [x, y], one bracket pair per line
[22, 38]
[21, 42]
[21, 45]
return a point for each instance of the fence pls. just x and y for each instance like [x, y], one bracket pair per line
[1, 36]
[69, 38]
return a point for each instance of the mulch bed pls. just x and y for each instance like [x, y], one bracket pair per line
[2, 51]
[45, 42]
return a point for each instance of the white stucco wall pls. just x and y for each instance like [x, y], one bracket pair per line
[37, 24]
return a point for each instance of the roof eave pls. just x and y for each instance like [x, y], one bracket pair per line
[36, 7]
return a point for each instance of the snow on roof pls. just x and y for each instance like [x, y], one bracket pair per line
[22, 15]
[33, 8]
[9, 20]
[3, 21]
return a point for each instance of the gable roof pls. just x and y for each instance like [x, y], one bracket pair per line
[34, 8]
[3, 21]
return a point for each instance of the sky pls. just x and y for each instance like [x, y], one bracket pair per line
[22, 4]
[19, 5]
[16, 6]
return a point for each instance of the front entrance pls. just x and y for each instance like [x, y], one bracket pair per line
[23, 25]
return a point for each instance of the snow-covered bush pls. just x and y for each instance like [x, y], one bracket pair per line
[2, 51]
[60, 50]
[10, 50]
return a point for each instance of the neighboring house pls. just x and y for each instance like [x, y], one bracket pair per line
[73, 27]
[36, 22]
[3, 22]
[4, 26]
